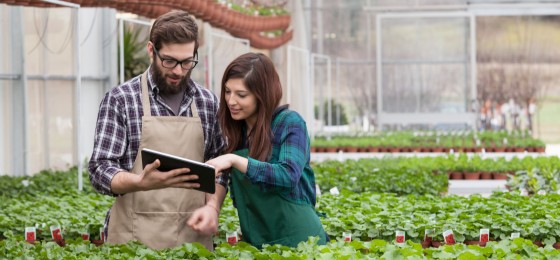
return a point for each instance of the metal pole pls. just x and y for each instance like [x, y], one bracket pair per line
[289, 76]
[46, 132]
[312, 94]
[19, 102]
[121, 51]
[337, 89]
[77, 87]
[474, 78]
[77, 96]
[369, 79]
[379, 41]
[329, 93]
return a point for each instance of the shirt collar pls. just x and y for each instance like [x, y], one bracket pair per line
[279, 109]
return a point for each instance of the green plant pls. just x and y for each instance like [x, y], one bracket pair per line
[334, 108]
[136, 59]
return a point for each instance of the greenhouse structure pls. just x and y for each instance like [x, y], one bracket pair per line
[430, 127]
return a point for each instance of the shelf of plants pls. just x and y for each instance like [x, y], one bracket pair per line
[430, 142]
[385, 208]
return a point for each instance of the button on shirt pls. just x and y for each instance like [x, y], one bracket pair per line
[119, 125]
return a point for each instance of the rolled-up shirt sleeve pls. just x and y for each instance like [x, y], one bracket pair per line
[110, 144]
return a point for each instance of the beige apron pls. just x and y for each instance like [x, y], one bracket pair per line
[158, 218]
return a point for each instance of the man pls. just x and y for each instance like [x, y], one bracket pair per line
[164, 110]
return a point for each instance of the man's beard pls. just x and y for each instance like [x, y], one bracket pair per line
[158, 77]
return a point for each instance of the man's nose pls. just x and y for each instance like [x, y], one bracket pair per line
[178, 70]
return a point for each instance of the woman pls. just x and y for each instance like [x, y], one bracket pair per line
[272, 184]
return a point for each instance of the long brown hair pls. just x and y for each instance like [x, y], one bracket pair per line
[261, 79]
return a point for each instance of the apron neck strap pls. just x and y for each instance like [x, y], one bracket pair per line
[145, 96]
[194, 110]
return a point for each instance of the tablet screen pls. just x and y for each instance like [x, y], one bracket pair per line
[206, 173]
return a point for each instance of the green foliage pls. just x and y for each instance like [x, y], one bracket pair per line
[334, 107]
[136, 58]
[454, 139]
[372, 219]
[376, 176]
[536, 180]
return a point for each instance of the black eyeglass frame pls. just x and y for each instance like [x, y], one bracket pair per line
[187, 61]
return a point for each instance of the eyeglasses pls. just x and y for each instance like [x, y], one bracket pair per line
[187, 64]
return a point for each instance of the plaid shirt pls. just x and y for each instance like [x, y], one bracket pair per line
[288, 171]
[119, 124]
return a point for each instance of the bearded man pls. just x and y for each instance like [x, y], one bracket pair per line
[164, 110]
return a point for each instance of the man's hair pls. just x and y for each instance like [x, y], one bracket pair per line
[174, 27]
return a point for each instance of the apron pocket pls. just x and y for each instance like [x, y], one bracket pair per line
[157, 230]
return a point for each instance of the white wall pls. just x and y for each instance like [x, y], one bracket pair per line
[49, 57]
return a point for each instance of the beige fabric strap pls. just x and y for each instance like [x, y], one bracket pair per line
[145, 96]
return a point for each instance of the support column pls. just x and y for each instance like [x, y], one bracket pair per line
[19, 95]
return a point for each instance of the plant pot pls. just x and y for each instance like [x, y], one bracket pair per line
[500, 149]
[331, 149]
[426, 244]
[499, 176]
[456, 176]
[351, 149]
[538, 243]
[475, 242]
[472, 175]
[97, 242]
[486, 175]
[437, 149]
[437, 243]
[556, 245]
[60, 242]
[405, 150]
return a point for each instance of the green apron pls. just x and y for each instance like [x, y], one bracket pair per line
[267, 218]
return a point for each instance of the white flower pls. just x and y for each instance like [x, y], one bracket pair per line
[334, 191]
